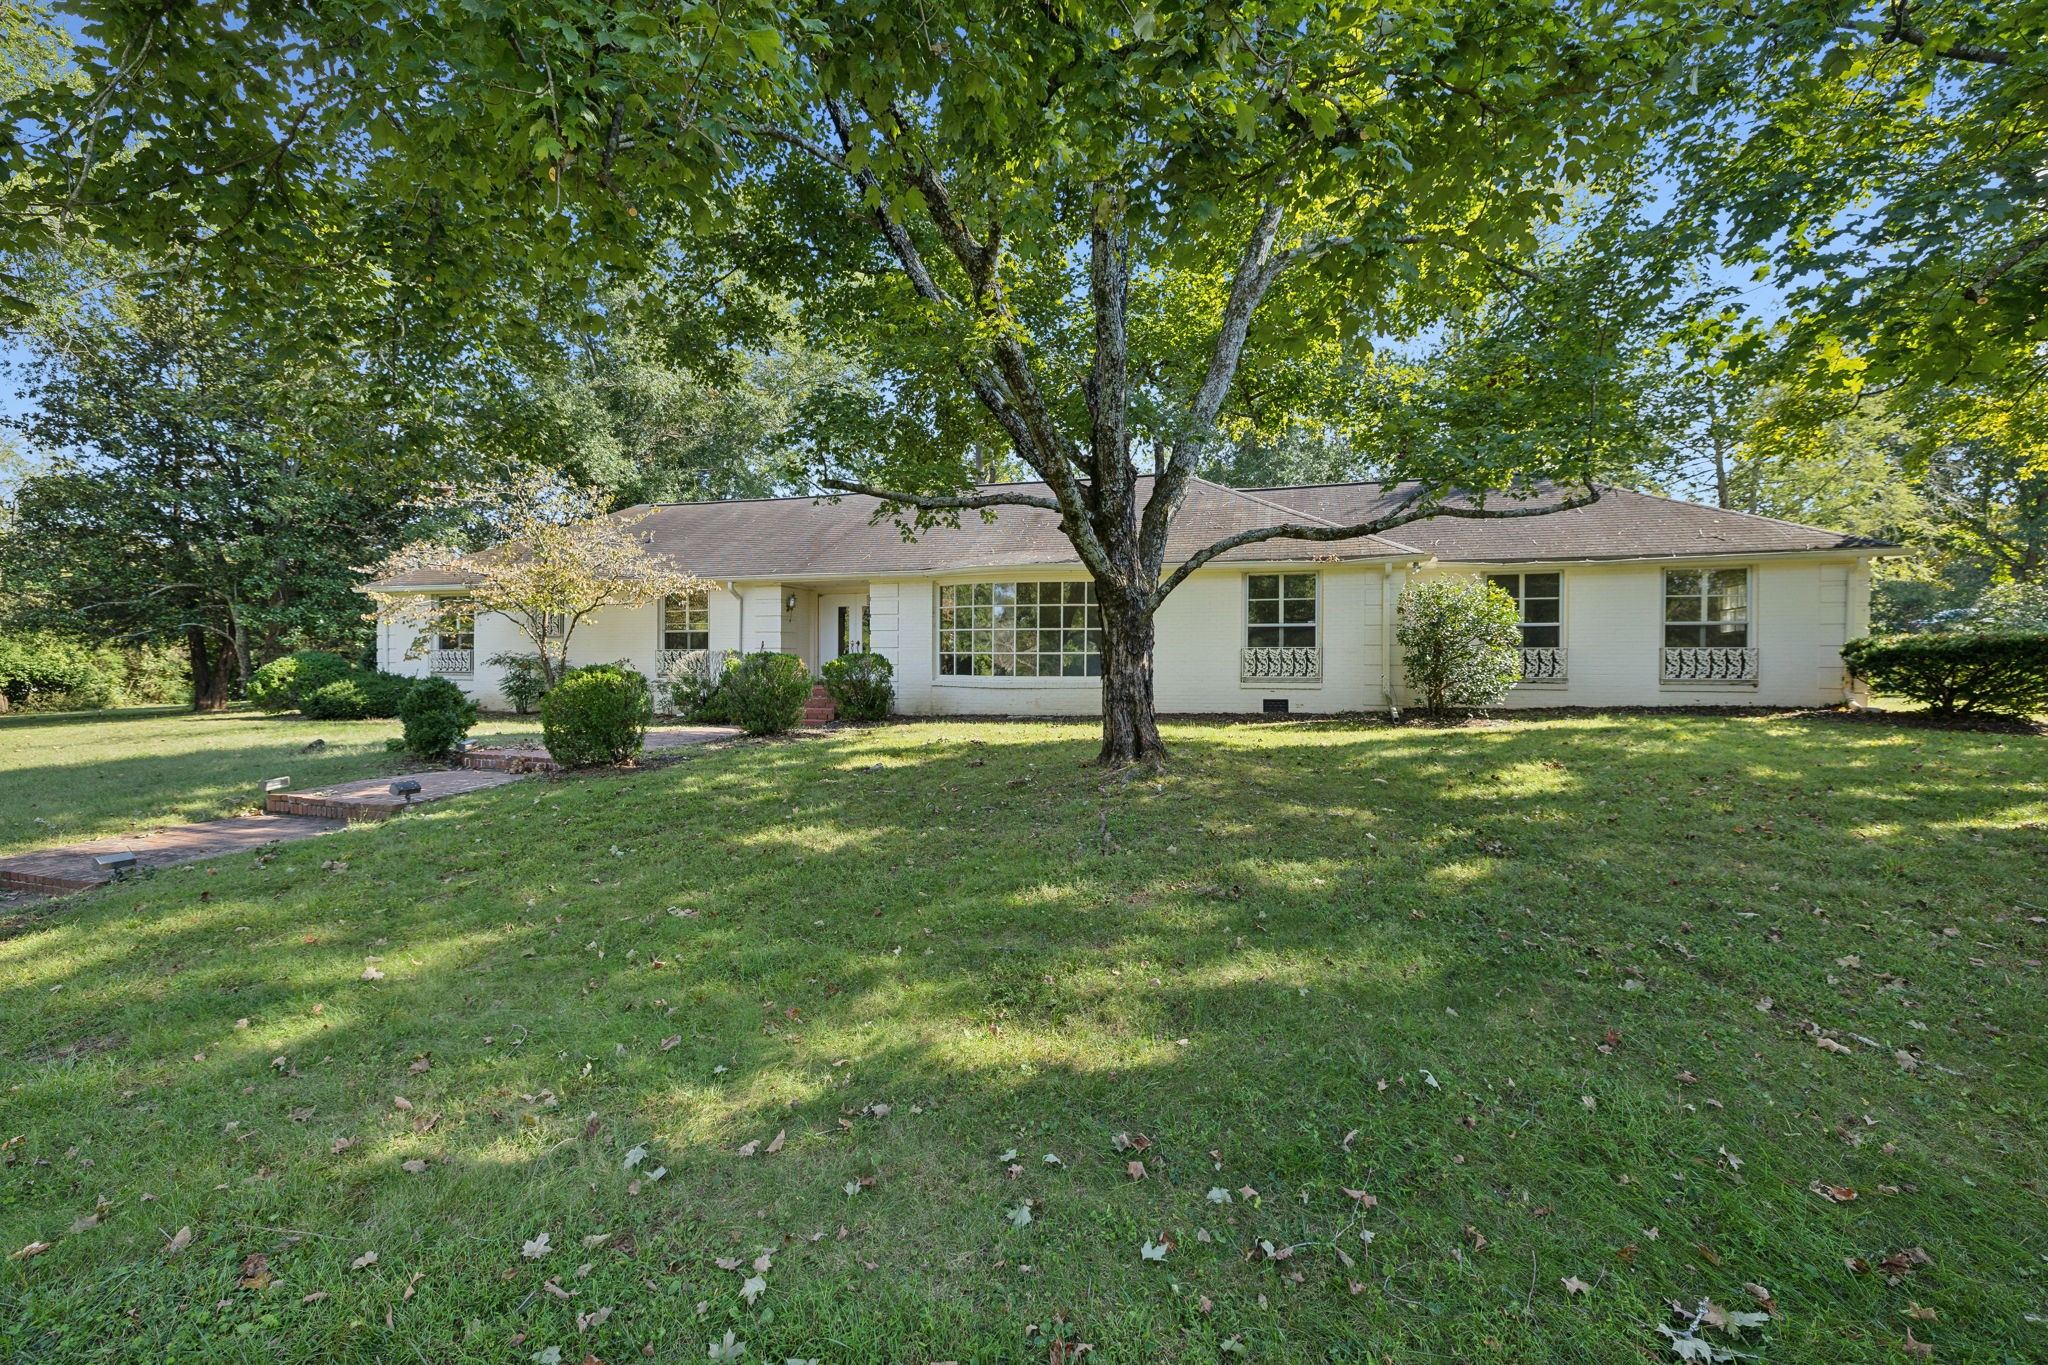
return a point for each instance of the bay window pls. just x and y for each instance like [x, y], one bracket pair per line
[1020, 630]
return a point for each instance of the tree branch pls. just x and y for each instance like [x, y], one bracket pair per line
[1416, 508]
[1975, 292]
[938, 502]
[1902, 31]
[1257, 268]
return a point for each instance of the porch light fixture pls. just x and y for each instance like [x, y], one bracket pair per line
[790, 605]
[407, 787]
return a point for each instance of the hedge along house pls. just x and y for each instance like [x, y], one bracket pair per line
[1634, 600]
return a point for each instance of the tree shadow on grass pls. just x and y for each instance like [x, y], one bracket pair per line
[1318, 914]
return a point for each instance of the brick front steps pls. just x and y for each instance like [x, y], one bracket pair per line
[820, 709]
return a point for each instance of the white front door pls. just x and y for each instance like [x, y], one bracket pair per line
[842, 624]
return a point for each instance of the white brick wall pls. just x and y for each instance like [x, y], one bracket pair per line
[1801, 611]
[1800, 614]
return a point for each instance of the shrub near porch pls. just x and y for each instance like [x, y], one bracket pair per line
[1545, 992]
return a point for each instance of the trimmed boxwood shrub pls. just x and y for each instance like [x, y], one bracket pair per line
[597, 714]
[342, 699]
[859, 684]
[437, 715]
[1995, 671]
[285, 683]
[764, 692]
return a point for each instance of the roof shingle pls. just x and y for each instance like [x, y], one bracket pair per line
[812, 537]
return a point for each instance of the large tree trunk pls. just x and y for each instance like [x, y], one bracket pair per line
[209, 676]
[1130, 724]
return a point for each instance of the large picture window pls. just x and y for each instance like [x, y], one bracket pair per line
[1019, 630]
[1538, 597]
[1706, 608]
[686, 621]
[456, 628]
[1280, 611]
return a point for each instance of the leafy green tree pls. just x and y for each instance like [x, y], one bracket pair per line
[1883, 160]
[1058, 231]
[1095, 230]
[1985, 478]
[647, 423]
[175, 502]
[1823, 463]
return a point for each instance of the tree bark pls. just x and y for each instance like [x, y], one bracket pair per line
[1130, 726]
[209, 677]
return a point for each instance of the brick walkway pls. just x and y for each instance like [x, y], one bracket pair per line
[297, 815]
[70, 867]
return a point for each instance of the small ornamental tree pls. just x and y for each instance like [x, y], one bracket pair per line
[1462, 643]
[562, 556]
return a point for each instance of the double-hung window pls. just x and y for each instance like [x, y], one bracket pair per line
[456, 626]
[686, 621]
[1019, 630]
[1706, 608]
[1538, 597]
[1280, 611]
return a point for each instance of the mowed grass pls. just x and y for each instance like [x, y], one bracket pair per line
[825, 1014]
[80, 775]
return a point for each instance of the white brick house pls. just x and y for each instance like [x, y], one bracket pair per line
[1633, 601]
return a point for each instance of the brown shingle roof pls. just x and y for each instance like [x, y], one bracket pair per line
[1621, 525]
[810, 537]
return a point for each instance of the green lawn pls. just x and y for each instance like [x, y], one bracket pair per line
[80, 775]
[1666, 1006]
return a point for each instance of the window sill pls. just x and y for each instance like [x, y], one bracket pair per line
[955, 680]
[1688, 685]
[1279, 685]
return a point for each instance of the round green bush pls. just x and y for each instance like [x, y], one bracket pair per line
[1461, 643]
[764, 692]
[285, 683]
[384, 694]
[2003, 672]
[860, 686]
[343, 699]
[437, 715]
[597, 714]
